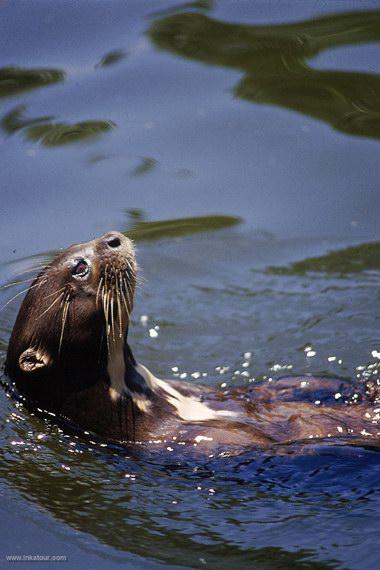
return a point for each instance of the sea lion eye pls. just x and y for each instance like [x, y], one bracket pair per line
[80, 269]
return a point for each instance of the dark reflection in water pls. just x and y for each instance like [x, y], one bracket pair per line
[274, 61]
[146, 165]
[15, 80]
[111, 58]
[49, 133]
[98, 157]
[364, 257]
[142, 230]
[54, 134]
[15, 120]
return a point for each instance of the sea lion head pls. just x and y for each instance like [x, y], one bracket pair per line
[76, 309]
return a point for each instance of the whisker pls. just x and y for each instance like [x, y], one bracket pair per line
[127, 294]
[98, 291]
[115, 292]
[119, 314]
[140, 279]
[108, 299]
[112, 318]
[122, 292]
[54, 292]
[124, 301]
[14, 283]
[108, 338]
[64, 318]
[36, 268]
[52, 305]
[106, 311]
[42, 281]
[130, 294]
[131, 268]
[18, 295]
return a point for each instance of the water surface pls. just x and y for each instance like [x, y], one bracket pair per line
[237, 143]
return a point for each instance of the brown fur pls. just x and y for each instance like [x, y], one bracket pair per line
[68, 353]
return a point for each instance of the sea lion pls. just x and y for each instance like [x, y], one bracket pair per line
[68, 353]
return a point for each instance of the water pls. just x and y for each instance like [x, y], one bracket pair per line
[115, 115]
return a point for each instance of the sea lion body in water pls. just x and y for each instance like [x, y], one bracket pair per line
[68, 353]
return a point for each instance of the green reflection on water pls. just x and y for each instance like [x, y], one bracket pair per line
[146, 165]
[15, 80]
[111, 58]
[15, 120]
[365, 257]
[273, 59]
[144, 230]
[49, 133]
[43, 129]
[54, 134]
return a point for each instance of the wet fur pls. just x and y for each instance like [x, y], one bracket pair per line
[69, 353]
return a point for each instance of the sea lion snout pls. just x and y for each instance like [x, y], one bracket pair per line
[116, 241]
[114, 248]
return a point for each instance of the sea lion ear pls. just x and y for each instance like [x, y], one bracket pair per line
[33, 359]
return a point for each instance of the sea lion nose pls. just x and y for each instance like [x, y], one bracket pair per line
[114, 240]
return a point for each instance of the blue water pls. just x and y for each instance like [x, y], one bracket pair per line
[118, 113]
